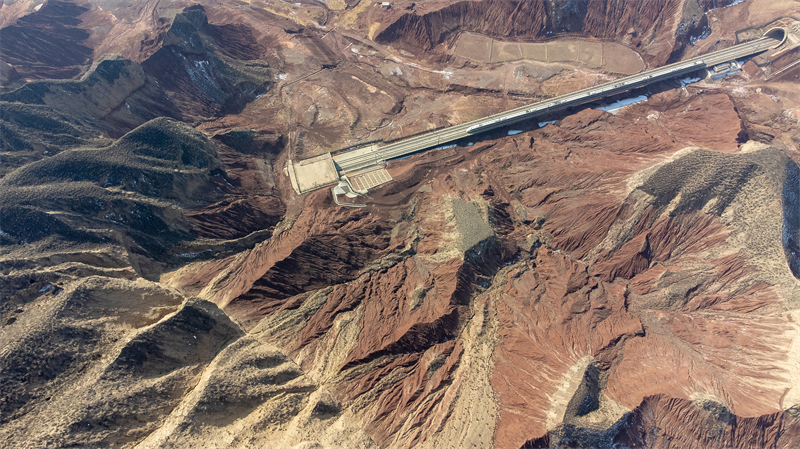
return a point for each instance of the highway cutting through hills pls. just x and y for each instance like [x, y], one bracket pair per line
[330, 168]
[358, 159]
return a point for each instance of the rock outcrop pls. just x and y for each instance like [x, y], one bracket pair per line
[48, 43]
[648, 26]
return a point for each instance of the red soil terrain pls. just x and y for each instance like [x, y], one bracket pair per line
[28, 43]
[602, 280]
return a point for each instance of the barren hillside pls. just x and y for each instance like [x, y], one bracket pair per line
[605, 277]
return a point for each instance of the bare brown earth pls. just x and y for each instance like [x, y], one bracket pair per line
[625, 280]
[609, 56]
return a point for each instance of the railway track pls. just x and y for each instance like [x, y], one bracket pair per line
[357, 160]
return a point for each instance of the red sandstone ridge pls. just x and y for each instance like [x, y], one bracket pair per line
[624, 279]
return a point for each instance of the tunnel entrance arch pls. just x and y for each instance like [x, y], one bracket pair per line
[779, 34]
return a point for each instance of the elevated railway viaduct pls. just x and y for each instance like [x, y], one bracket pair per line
[329, 169]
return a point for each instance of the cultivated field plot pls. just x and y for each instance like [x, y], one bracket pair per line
[607, 56]
[475, 47]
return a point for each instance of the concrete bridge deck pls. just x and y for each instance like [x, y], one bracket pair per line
[362, 158]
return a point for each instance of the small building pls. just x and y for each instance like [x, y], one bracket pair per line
[386, 5]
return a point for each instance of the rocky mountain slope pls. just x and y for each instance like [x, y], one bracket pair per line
[625, 279]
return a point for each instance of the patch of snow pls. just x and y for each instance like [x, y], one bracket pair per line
[114, 218]
[470, 144]
[201, 74]
[686, 81]
[192, 255]
[3, 234]
[714, 5]
[613, 107]
[695, 39]
[514, 132]
[723, 75]
[551, 122]
[736, 2]
[739, 92]
[46, 288]
[443, 147]
[224, 179]
[38, 7]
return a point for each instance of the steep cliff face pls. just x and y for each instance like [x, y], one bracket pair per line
[647, 26]
[47, 43]
[724, 428]
[199, 81]
[431, 29]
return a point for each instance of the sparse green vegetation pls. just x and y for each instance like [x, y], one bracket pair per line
[154, 160]
[26, 224]
[78, 194]
[37, 118]
[706, 175]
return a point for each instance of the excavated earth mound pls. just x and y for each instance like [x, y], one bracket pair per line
[597, 279]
